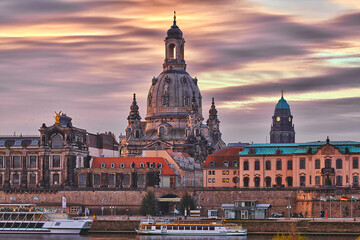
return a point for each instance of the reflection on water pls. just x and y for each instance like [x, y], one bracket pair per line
[144, 237]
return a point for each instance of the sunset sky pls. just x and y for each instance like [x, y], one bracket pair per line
[87, 57]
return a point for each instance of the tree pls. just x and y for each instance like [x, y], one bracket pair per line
[187, 202]
[148, 204]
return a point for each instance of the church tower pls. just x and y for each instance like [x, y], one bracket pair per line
[134, 130]
[282, 129]
[214, 123]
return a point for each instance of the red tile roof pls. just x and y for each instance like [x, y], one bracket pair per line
[227, 154]
[165, 169]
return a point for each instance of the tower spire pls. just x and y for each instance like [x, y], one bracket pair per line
[174, 18]
[282, 93]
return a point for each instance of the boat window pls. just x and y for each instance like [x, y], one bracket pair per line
[158, 227]
[175, 228]
[143, 227]
[181, 228]
[148, 227]
[205, 228]
[212, 228]
[187, 228]
[193, 228]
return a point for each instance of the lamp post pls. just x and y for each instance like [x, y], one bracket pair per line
[289, 206]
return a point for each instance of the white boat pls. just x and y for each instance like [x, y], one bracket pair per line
[151, 227]
[33, 221]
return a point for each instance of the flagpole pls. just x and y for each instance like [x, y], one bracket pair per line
[351, 208]
[330, 208]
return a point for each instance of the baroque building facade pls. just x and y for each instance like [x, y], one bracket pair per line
[282, 128]
[174, 117]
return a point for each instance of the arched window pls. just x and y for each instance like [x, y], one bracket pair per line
[257, 181]
[57, 142]
[268, 181]
[142, 165]
[186, 101]
[122, 165]
[278, 181]
[289, 181]
[102, 165]
[161, 131]
[182, 52]
[302, 181]
[257, 165]
[112, 165]
[132, 165]
[172, 51]
[278, 164]
[339, 163]
[212, 164]
[165, 101]
[246, 181]
[268, 165]
[355, 181]
[327, 163]
[226, 163]
[246, 165]
[235, 164]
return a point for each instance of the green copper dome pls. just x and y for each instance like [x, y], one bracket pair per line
[282, 104]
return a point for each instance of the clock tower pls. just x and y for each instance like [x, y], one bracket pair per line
[282, 128]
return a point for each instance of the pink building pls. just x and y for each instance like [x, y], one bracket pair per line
[312, 164]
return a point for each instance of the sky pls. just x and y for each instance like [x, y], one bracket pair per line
[87, 57]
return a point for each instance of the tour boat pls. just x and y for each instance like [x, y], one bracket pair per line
[151, 227]
[22, 220]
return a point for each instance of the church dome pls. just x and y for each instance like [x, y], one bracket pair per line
[282, 104]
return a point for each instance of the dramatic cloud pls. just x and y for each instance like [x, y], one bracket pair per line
[88, 57]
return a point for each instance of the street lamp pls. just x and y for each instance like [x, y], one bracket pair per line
[289, 206]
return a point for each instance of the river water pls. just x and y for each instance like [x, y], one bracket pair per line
[137, 237]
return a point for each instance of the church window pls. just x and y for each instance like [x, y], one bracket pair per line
[212, 164]
[246, 165]
[16, 179]
[302, 163]
[32, 179]
[268, 181]
[257, 165]
[172, 51]
[278, 164]
[16, 162]
[327, 163]
[56, 178]
[246, 181]
[339, 163]
[257, 181]
[165, 100]
[32, 161]
[57, 142]
[112, 165]
[102, 165]
[268, 165]
[56, 161]
[302, 181]
[235, 164]
[161, 131]
[1, 161]
[186, 101]
[137, 134]
[226, 163]
[317, 164]
[355, 163]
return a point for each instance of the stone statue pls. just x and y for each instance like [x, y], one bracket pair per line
[57, 117]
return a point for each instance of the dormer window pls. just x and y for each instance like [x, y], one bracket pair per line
[132, 165]
[226, 163]
[278, 151]
[142, 165]
[235, 164]
[152, 165]
[251, 151]
[112, 165]
[122, 165]
[102, 165]
[159, 165]
[212, 164]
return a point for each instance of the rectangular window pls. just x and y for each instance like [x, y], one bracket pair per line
[235, 172]
[126, 180]
[141, 179]
[223, 172]
[268, 165]
[209, 172]
[246, 165]
[227, 172]
[302, 181]
[56, 178]
[317, 164]
[1, 161]
[209, 180]
[1, 179]
[257, 165]
[223, 180]
[33, 161]
[16, 179]
[317, 180]
[290, 165]
[213, 172]
[278, 164]
[97, 179]
[355, 163]
[338, 180]
[56, 161]
[302, 163]
[32, 179]
[213, 180]
[16, 162]
[82, 179]
[111, 179]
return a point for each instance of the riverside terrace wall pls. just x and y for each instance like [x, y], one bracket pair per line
[128, 201]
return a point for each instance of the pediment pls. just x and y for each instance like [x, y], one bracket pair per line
[328, 150]
[158, 145]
